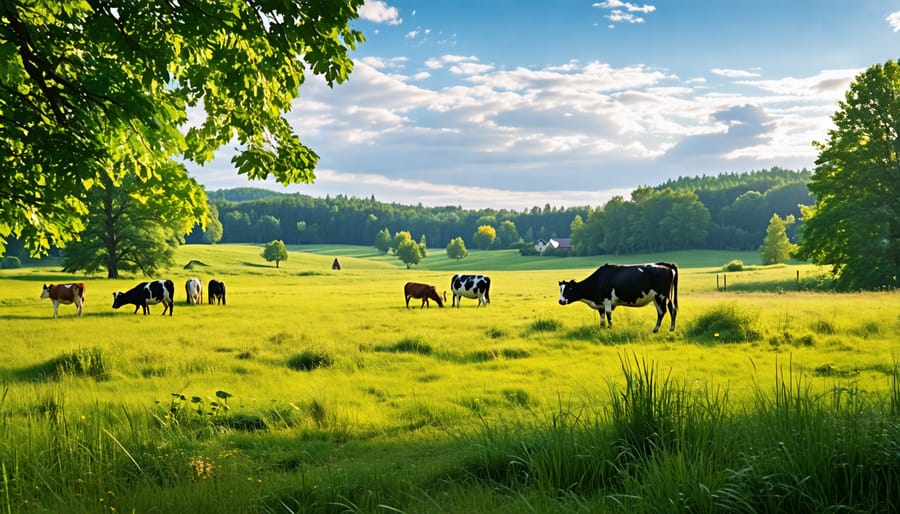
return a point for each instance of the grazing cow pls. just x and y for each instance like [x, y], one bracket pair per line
[146, 294]
[65, 294]
[194, 289]
[471, 286]
[215, 291]
[632, 286]
[423, 291]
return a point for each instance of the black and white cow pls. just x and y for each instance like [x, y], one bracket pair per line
[471, 286]
[215, 291]
[632, 286]
[148, 293]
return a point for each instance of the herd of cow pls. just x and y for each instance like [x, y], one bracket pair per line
[142, 296]
[606, 288]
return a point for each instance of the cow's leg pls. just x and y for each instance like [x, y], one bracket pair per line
[407, 301]
[660, 303]
[55, 308]
[672, 313]
[136, 307]
[78, 306]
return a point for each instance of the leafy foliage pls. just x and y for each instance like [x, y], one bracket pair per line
[776, 248]
[410, 253]
[484, 236]
[275, 251]
[855, 224]
[456, 249]
[135, 225]
[383, 240]
[102, 89]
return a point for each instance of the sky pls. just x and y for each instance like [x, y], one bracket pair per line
[513, 104]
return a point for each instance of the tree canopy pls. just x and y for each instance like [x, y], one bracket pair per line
[134, 225]
[102, 89]
[855, 224]
[275, 251]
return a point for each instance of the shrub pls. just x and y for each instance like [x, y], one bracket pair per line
[10, 262]
[408, 345]
[309, 360]
[545, 325]
[735, 265]
[725, 323]
[84, 362]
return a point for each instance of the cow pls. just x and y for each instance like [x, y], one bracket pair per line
[215, 291]
[423, 291]
[148, 293]
[65, 294]
[471, 286]
[630, 285]
[194, 289]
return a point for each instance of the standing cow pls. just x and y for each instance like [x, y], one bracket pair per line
[471, 286]
[148, 293]
[215, 291]
[632, 286]
[65, 294]
[423, 292]
[194, 290]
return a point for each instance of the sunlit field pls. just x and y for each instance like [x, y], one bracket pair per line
[310, 379]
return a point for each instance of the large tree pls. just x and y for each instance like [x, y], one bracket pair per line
[776, 248]
[92, 82]
[134, 226]
[275, 251]
[855, 224]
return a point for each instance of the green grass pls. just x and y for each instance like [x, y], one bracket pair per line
[316, 390]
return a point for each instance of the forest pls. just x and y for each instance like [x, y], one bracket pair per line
[727, 211]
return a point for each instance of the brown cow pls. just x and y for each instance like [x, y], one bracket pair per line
[65, 294]
[423, 291]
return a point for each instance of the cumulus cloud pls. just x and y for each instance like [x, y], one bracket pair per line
[378, 11]
[732, 73]
[893, 20]
[578, 128]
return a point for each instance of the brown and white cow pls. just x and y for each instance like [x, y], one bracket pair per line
[423, 291]
[65, 294]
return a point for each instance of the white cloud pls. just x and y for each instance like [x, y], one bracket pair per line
[732, 73]
[893, 20]
[412, 34]
[617, 4]
[378, 11]
[624, 12]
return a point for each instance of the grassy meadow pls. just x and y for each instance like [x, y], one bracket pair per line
[315, 390]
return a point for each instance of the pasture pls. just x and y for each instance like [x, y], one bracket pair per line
[315, 390]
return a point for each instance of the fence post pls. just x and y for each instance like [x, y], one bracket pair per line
[724, 282]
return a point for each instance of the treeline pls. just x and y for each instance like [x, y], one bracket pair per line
[303, 219]
[729, 211]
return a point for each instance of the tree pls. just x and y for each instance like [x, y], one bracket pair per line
[507, 235]
[275, 251]
[86, 84]
[456, 249]
[383, 241]
[410, 253]
[213, 232]
[135, 225]
[484, 236]
[423, 246]
[855, 224]
[776, 248]
[301, 229]
[400, 238]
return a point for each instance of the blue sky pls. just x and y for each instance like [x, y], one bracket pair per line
[512, 104]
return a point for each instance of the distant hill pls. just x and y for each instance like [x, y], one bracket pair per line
[242, 194]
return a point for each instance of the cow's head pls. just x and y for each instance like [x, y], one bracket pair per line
[433, 294]
[567, 292]
[46, 291]
[116, 297]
